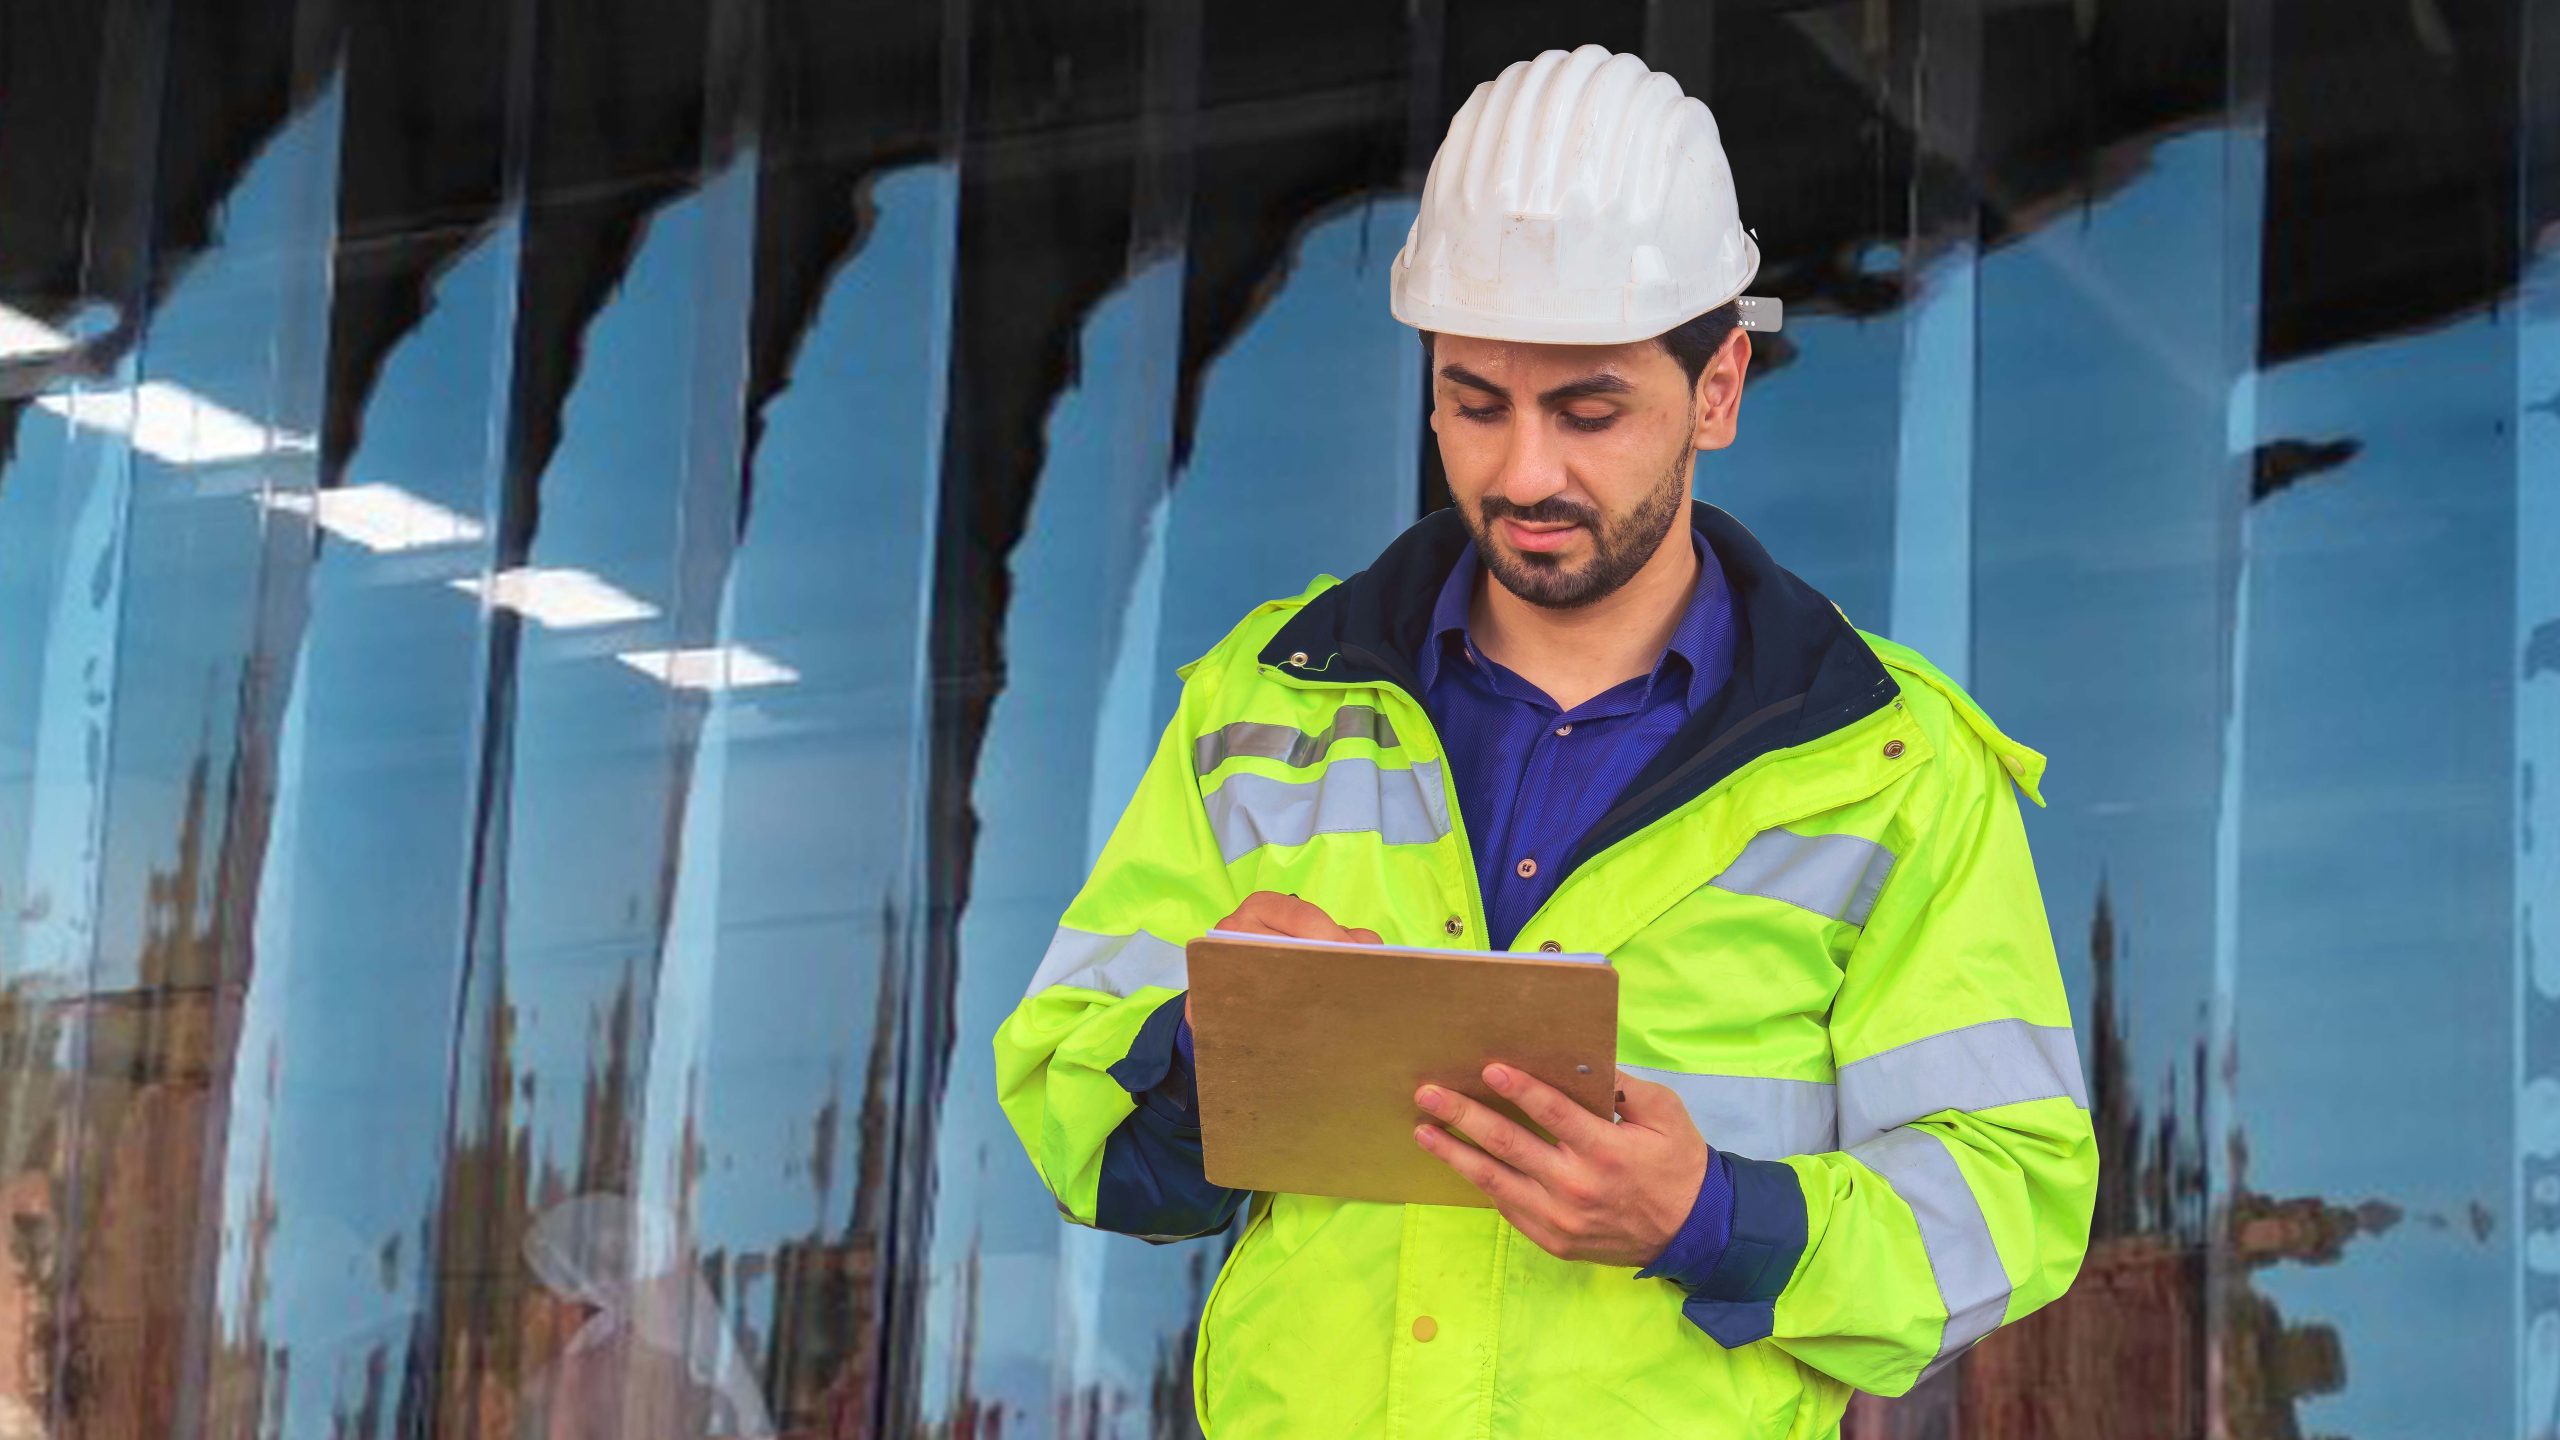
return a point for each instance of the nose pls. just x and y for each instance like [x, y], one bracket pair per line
[1533, 462]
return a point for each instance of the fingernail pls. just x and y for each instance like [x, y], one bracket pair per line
[1431, 1098]
[1422, 1136]
[1498, 1076]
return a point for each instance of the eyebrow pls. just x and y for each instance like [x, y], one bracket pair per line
[1601, 384]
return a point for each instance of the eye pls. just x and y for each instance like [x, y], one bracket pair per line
[1470, 412]
[1590, 423]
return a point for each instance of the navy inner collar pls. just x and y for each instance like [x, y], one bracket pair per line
[1800, 670]
[1690, 640]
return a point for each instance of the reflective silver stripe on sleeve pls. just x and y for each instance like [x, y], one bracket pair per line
[1288, 744]
[1962, 1258]
[1400, 805]
[1998, 1062]
[1751, 1115]
[1119, 965]
[1834, 875]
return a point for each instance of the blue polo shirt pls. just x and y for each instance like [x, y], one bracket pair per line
[1533, 778]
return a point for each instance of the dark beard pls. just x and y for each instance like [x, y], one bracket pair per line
[1620, 546]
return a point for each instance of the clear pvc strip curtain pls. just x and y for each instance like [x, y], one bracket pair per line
[578, 584]
[2534, 1252]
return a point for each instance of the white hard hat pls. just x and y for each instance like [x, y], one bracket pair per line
[1579, 199]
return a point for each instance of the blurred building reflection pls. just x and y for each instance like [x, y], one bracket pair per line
[580, 581]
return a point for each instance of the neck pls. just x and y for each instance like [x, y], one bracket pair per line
[1575, 654]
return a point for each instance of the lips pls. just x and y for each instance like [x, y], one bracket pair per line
[1538, 537]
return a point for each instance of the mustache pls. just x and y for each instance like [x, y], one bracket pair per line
[1554, 510]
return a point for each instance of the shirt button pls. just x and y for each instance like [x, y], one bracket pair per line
[1454, 925]
[1527, 868]
[1564, 729]
[1552, 947]
[1424, 1327]
[1893, 749]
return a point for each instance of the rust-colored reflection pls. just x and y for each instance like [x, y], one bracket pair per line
[129, 1179]
[2164, 1336]
[573, 1312]
[35, 1095]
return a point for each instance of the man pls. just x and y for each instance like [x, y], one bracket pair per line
[1579, 711]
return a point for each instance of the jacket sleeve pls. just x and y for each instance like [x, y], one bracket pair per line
[1960, 1196]
[1087, 1068]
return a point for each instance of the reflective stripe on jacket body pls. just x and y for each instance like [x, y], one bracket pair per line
[1829, 941]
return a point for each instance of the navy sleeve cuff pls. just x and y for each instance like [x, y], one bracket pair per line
[1736, 1302]
[1693, 1254]
[1157, 1069]
[1153, 1184]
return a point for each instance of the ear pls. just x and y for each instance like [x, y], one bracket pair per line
[1719, 393]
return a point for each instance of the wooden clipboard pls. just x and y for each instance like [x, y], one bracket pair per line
[1308, 1054]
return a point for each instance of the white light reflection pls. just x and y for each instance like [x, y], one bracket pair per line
[24, 337]
[381, 518]
[559, 599]
[715, 667]
[174, 424]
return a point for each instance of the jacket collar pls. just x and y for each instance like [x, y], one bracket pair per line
[1800, 670]
[1701, 642]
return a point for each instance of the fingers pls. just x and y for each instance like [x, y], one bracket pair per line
[1655, 1107]
[1497, 1133]
[1658, 1108]
[1292, 916]
[1535, 1226]
[1258, 915]
[1573, 1126]
[1268, 912]
[1507, 1188]
[1516, 1198]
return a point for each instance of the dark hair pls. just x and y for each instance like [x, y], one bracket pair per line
[1692, 342]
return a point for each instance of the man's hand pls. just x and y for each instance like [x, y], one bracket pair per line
[1609, 1194]
[1268, 912]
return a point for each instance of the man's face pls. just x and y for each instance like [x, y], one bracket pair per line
[1571, 463]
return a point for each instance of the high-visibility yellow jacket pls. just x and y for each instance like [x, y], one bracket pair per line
[1829, 941]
